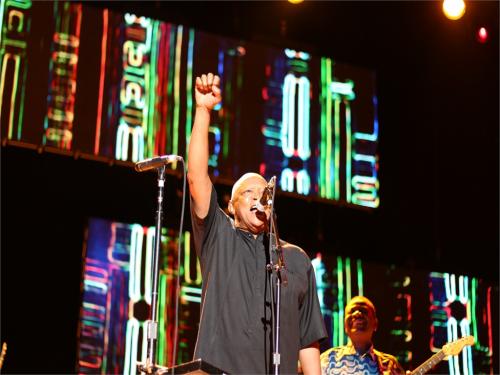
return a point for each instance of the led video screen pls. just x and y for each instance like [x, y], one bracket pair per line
[120, 87]
[418, 311]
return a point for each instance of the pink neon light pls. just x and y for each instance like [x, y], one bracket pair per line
[407, 297]
[490, 333]
[265, 94]
[163, 71]
[97, 270]
[262, 169]
[101, 80]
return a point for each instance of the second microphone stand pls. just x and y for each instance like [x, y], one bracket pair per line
[149, 366]
[278, 270]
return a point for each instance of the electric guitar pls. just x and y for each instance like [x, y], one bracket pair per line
[452, 348]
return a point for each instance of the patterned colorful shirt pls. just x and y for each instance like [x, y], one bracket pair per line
[345, 360]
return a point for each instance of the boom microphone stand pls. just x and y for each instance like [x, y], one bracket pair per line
[158, 163]
[278, 270]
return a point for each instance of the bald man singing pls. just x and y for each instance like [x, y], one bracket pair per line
[235, 332]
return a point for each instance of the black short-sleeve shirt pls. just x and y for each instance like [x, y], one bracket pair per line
[235, 324]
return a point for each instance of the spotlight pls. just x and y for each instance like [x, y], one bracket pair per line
[482, 35]
[453, 9]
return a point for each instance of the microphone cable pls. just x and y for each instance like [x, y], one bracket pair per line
[178, 278]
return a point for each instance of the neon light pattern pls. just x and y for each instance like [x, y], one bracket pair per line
[481, 325]
[63, 66]
[361, 182]
[104, 42]
[225, 126]
[143, 103]
[341, 94]
[135, 84]
[272, 96]
[15, 20]
[295, 127]
[117, 296]
[365, 184]
[453, 315]
[339, 289]
[401, 327]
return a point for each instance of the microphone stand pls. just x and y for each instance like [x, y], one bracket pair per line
[281, 278]
[152, 325]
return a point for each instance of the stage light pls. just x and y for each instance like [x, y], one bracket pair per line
[453, 9]
[482, 35]
[295, 1]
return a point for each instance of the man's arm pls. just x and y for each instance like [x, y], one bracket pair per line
[309, 359]
[207, 93]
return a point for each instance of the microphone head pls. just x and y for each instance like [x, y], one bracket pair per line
[271, 182]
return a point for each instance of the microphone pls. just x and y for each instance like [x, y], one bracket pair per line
[267, 196]
[156, 162]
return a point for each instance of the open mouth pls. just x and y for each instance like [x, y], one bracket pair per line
[253, 208]
[358, 322]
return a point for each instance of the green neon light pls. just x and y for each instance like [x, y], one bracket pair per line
[473, 308]
[340, 300]
[322, 145]
[343, 89]
[162, 320]
[348, 151]
[348, 279]
[268, 132]
[335, 338]
[21, 106]
[270, 142]
[324, 132]
[360, 277]
[187, 262]
[336, 157]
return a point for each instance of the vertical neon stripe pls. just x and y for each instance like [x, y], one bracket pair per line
[472, 306]
[189, 87]
[162, 321]
[360, 277]
[490, 332]
[13, 95]
[348, 151]
[153, 33]
[178, 53]
[340, 299]
[2, 8]
[21, 104]
[336, 154]
[322, 144]
[348, 279]
[335, 338]
[104, 42]
[329, 188]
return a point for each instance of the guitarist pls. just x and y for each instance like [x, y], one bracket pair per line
[359, 356]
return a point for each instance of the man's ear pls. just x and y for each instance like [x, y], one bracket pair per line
[375, 325]
[230, 207]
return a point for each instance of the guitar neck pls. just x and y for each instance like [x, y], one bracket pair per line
[429, 364]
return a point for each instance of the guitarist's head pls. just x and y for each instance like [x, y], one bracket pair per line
[360, 322]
